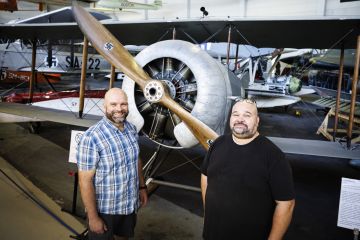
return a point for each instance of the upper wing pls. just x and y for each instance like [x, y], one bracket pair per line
[322, 34]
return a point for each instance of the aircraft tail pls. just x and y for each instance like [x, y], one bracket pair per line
[8, 5]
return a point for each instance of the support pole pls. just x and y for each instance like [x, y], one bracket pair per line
[228, 47]
[50, 55]
[353, 92]
[72, 54]
[83, 77]
[33, 71]
[278, 53]
[74, 199]
[75, 190]
[236, 57]
[174, 34]
[338, 96]
[112, 77]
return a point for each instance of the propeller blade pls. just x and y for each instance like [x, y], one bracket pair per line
[108, 46]
[114, 52]
[204, 134]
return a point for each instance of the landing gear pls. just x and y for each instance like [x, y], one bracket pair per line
[151, 168]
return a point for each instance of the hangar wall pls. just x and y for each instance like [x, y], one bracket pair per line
[255, 9]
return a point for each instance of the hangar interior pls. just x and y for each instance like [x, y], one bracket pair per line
[39, 183]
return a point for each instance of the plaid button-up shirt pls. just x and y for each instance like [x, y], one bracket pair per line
[114, 156]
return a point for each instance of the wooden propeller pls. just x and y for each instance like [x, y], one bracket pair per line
[154, 91]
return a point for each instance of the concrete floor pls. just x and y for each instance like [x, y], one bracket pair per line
[176, 214]
[26, 216]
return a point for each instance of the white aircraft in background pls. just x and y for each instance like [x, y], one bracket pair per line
[59, 57]
[272, 90]
[16, 56]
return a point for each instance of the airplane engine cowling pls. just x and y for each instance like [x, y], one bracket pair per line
[199, 83]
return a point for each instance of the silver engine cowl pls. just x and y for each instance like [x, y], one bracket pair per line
[195, 80]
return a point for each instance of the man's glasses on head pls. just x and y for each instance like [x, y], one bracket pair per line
[247, 100]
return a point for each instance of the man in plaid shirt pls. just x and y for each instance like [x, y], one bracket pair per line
[110, 172]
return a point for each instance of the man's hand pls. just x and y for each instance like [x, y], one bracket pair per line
[143, 197]
[97, 225]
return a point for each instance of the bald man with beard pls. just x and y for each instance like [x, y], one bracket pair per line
[110, 172]
[246, 182]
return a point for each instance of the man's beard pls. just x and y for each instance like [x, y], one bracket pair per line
[244, 133]
[117, 119]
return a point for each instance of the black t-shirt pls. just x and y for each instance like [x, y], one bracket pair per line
[243, 183]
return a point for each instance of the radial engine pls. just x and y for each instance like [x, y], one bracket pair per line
[195, 80]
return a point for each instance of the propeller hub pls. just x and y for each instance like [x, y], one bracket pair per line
[171, 88]
[153, 91]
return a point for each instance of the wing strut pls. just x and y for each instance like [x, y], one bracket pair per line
[83, 77]
[112, 77]
[353, 93]
[33, 71]
[338, 96]
[228, 48]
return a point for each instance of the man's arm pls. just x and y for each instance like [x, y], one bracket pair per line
[203, 187]
[142, 192]
[281, 219]
[87, 189]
